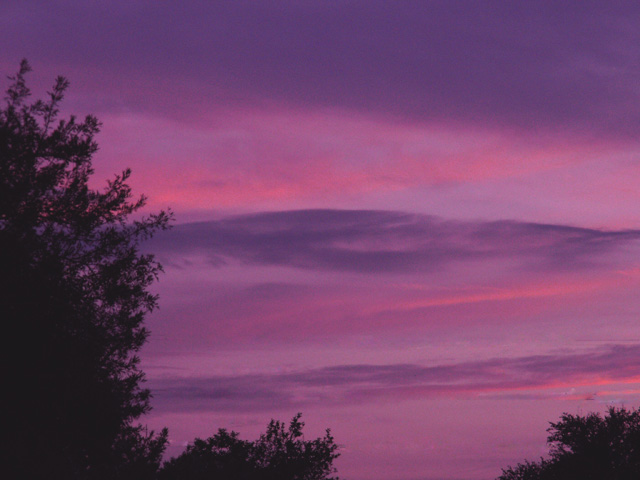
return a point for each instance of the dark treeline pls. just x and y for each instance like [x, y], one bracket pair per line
[74, 287]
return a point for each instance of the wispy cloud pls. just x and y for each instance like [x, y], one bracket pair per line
[348, 384]
[380, 241]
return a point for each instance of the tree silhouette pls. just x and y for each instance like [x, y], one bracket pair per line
[74, 289]
[592, 447]
[281, 453]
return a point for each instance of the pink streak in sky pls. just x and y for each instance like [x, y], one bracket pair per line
[293, 159]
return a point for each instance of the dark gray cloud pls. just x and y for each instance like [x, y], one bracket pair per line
[361, 383]
[543, 66]
[380, 241]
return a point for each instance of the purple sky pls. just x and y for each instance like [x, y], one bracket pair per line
[416, 222]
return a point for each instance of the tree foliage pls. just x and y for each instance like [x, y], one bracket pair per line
[74, 288]
[281, 453]
[591, 447]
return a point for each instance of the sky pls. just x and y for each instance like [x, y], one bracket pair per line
[416, 223]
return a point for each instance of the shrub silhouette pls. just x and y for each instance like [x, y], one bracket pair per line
[279, 454]
[592, 447]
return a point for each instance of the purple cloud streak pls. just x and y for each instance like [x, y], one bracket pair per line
[348, 384]
[381, 241]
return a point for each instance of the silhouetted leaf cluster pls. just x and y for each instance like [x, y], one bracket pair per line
[591, 447]
[279, 454]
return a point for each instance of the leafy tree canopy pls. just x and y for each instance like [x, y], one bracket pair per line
[591, 447]
[75, 290]
[279, 454]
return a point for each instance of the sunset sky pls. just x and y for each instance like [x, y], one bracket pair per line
[417, 223]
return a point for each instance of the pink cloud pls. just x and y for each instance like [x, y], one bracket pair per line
[240, 159]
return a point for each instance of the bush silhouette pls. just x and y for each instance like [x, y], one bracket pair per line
[279, 454]
[592, 447]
